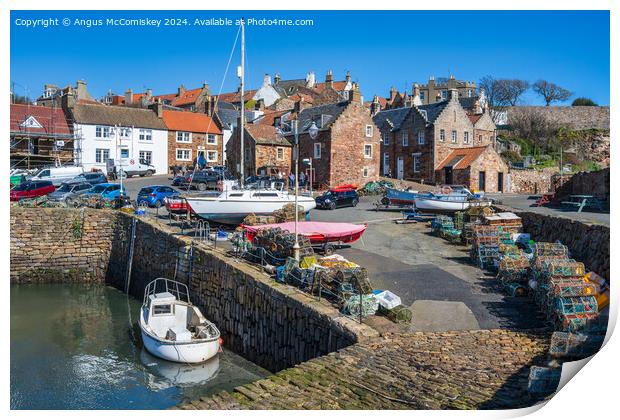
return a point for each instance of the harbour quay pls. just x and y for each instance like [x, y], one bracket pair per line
[462, 322]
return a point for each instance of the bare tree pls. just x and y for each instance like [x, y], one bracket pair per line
[534, 124]
[551, 92]
[503, 92]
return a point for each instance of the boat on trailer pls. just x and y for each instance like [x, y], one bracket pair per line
[448, 204]
[172, 328]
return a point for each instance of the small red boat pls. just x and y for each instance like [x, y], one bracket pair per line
[344, 187]
[317, 232]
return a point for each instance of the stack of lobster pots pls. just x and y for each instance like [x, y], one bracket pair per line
[279, 243]
[444, 227]
[562, 290]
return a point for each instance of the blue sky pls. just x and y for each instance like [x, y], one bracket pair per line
[380, 49]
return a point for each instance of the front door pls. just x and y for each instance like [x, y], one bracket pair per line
[482, 180]
[400, 168]
[500, 182]
[447, 171]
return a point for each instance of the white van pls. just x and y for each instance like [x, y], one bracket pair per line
[59, 174]
[129, 168]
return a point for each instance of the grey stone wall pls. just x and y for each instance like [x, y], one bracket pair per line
[575, 117]
[270, 324]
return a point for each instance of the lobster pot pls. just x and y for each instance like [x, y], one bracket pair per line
[301, 278]
[514, 268]
[576, 305]
[577, 322]
[357, 277]
[563, 268]
[541, 295]
[452, 235]
[441, 223]
[515, 289]
[564, 287]
[459, 220]
[543, 380]
[509, 249]
[369, 306]
[568, 344]
[549, 249]
[487, 255]
[399, 314]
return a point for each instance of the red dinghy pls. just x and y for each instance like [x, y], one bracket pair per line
[317, 232]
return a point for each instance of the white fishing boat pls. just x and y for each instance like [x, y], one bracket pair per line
[448, 204]
[231, 207]
[165, 374]
[172, 328]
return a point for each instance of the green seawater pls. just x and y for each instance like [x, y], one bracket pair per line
[79, 347]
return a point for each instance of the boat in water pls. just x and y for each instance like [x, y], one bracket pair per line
[165, 374]
[172, 328]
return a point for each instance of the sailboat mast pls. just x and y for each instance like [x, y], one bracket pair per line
[242, 122]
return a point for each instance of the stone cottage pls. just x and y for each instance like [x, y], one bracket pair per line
[264, 148]
[417, 139]
[478, 168]
[346, 148]
[190, 135]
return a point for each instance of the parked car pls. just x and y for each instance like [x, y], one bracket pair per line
[58, 175]
[178, 180]
[175, 204]
[333, 199]
[69, 191]
[32, 189]
[205, 180]
[106, 191]
[155, 195]
[92, 178]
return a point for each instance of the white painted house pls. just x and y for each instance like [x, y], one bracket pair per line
[119, 132]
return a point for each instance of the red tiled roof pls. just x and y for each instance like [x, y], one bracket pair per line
[190, 121]
[236, 97]
[474, 118]
[339, 86]
[269, 117]
[187, 97]
[52, 120]
[467, 156]
[167, 97]
[266, 134]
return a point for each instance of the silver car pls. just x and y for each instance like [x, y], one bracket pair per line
[68, 192]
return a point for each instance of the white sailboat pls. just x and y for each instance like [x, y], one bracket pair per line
[232, 206]
[174, 329]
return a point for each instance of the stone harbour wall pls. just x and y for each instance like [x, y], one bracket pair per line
[61, 245]
[588, 183]
[270, 324]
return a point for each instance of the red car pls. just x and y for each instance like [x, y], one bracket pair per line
[32, 189]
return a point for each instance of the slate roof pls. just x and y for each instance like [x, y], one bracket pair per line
[395, 117]
[433, 110]
[121, 115]
[330, 113]
[468, 102]
[228, 117]
[462, 158]
[266, 134]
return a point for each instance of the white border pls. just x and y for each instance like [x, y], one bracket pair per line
[590, 394]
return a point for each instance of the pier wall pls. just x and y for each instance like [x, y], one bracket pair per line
[270, 324]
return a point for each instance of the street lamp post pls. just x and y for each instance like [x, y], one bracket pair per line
[314, 132]
[296, 151]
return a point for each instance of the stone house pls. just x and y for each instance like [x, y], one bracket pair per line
[105, 132]
[417, 139]
[40, 136]
[190, 135]
[195, 100]
[346, 148]
[478, 168]
[263, 147]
